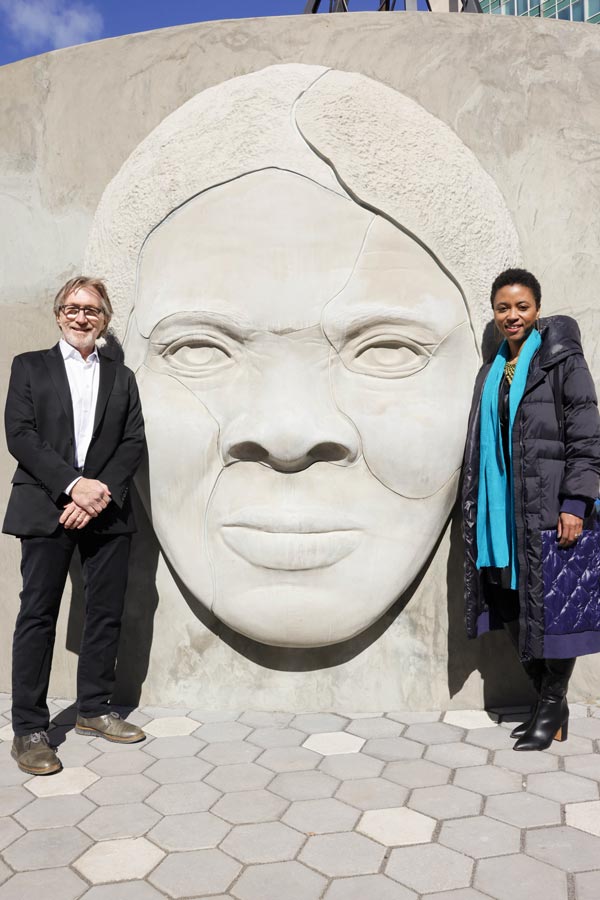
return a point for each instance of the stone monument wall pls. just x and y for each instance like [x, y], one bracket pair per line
[352, 153]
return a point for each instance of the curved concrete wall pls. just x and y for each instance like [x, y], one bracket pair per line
[522, 99]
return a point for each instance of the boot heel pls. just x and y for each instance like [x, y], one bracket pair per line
[563, 732]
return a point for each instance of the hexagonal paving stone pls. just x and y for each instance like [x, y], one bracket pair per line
[471, 718]
[76, 754]
[171, 799]
[396, 826]
[372, 793]
[178, 771]
[244, 807]
[413, 717]
[488, 780]
[523, 810]
[51, 884]
[367, 887]
[585, 816]
[240, 777]
[257, 718]
[172, 747]
[376, 728]
[562, 787]
[460, 894]
[9, 832]
[46, 849]
[263, 843]
[342, 854]
[68, 781]
[351, 765]
[434, 733]
[219, 732]
[119, 860]
[583, 727]
[125, 820]
[329, 743]
[195, 873]
[162, 712]
[288, 759]
[429, 867]
[564, 847]
[445, 801]
[208, 716]
[575, 746]
[588, 765]
[53, 812]
[587, 886]
[4, 872]
[117, 789]
[171, 726]
[457, 755]
[313, 723]
[304, 785]
[229, 753]
[480, 837]
[321, 816]
[497, 738]
[273, 881]
[277, 737]
[189, 831]
[129, 762]
[128, 890]
[393, 748]
[414, 773]
[519, 878]
[525, 763]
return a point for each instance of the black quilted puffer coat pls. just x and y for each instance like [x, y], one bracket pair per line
[556, 455]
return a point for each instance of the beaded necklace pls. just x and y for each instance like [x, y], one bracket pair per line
[509, 371]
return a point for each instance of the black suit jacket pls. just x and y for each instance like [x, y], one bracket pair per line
[40, 435]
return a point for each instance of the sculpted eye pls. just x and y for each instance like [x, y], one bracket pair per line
[388, 357]
[197, 356]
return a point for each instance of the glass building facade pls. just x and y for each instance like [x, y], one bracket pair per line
[568, 10]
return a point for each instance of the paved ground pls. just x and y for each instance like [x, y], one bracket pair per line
[275, 806]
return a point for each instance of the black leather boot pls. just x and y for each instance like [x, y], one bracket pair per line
[534, 669]
[551, 719]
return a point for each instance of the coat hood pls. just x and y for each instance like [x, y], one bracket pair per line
[560, 338]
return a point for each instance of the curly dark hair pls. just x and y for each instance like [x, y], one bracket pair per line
[517, 276]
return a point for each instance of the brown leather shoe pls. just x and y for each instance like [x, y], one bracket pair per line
[34, 754]
[110, 726]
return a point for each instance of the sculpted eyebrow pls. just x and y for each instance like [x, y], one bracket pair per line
[191, 321]
[348, 330]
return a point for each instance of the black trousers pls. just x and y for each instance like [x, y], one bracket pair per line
[44, 566]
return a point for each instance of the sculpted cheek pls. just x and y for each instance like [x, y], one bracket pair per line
[183, 466]
[412, 429]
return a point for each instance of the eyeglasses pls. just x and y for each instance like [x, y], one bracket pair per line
[90, 312]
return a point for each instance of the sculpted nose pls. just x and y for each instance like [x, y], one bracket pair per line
[292, 441]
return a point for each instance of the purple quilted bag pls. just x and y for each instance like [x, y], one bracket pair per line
[572, 581]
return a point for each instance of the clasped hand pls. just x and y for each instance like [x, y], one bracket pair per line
[569, 528]
[88, 498]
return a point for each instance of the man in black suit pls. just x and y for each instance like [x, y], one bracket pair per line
[74, 424]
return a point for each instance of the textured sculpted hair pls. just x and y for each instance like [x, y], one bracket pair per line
[342, 130]
[517, 276]
[92, 284]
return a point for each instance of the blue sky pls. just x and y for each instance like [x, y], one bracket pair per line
[28, 27]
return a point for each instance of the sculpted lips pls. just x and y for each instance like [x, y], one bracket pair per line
[292, 541]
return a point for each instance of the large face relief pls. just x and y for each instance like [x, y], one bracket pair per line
[306, 376]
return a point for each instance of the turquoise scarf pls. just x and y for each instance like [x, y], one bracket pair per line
[496, 532]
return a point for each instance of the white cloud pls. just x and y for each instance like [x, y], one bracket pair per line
[50, 24]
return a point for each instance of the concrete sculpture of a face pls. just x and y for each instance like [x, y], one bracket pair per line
[305, 367]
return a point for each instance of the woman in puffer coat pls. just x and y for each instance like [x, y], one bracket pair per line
[532, 464]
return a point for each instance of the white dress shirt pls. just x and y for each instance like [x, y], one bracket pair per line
[83, 376]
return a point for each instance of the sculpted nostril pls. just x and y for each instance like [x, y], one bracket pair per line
[248, 451]
[328, 451]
